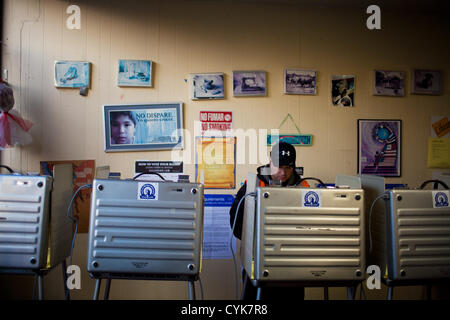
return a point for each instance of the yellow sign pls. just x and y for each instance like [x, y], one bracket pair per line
[215, 162]
[438, 153]
[441, 127]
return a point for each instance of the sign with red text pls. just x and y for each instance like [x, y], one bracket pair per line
[221, 121]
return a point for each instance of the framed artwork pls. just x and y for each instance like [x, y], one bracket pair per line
[426, 82]
[135, 73]
[389, 83]
[343, 90]
[72, 74]
[207, 86]
[379, 147]
[249, 83]
[140, 127]
[300, 81]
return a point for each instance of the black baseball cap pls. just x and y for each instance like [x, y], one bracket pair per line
[283, 154]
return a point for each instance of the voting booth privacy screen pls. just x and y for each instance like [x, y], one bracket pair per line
[303, 234]
[145, 229]
[35, 230]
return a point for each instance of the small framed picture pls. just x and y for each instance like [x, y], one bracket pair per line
[343, 90]
[249, 83]
[300, 81]
[389, 83]
[72, 74]
[207, 86]
[379, 147]
[426, 82]
[141, 127]
[135, 73]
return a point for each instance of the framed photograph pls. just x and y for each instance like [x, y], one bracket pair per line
[139, 127]
[389, 83]
[249, 83]
[135, 73]
[207, 86]
[300, 81]
[426, 82]
[343, 90]
[379, 147]
[72, 74]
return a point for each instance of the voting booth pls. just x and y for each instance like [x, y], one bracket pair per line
[35, 229]
[410, 233]
[145, 230]
[304, 236]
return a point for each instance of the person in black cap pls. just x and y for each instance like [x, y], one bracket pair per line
[279, 171]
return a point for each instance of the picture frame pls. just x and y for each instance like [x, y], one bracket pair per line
[72, 74]
[426, 82]
[343, 90]
[207, 85]
[379, 147]
[135, 73]
[249, 83]
[142, 127]
[389, 83]
[298, 81]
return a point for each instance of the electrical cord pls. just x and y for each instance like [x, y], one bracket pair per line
[236, 285]
[155, 173]
[7, 168]
[370, 217]
[75, 220]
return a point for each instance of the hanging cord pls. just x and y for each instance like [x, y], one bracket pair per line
[236, 285]
[7, 168]
[155, 173]
[75, 220]
[436, 184]
[386, 193]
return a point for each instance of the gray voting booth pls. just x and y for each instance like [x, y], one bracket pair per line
[145, 230]
[35, 230]
[303, 236]
[410, 233]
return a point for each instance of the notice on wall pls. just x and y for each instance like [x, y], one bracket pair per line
[438, 153]
[169, 170]
[221, 121]
[216, 227]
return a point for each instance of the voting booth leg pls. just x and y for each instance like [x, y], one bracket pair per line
[191, 290]
[258, 293]
[98, 283]
[351, 293]
[108, 286]
[390, 293]
[40, 287]
[64, 274]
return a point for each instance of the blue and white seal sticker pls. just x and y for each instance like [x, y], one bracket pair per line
[147, 191]
[440, 199]
[311, 199]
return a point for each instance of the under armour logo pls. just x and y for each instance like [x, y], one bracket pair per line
[288, 153]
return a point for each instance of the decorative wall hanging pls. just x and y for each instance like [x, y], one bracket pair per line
[296, 139]
[207, 86]
[379, 147]
[343, 90]
[298, 81]
[426, 82]
[389, 83]
[249, 83]
[135, 73]
[72, 74]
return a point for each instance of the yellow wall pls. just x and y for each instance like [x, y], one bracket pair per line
[183, 37]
